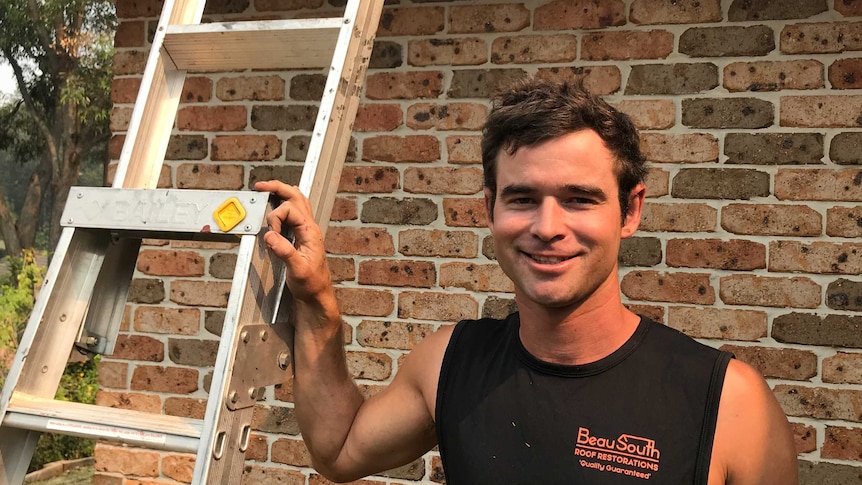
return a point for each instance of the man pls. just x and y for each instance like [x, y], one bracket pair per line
[574, 388]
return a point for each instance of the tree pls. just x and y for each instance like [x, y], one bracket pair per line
[60, 53]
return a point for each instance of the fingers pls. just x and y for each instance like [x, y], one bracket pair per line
[293, 217]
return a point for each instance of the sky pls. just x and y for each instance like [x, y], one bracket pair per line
[7, 79]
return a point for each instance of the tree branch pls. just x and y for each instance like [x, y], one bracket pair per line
[7, 226]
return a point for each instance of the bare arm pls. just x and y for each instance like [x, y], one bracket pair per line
[753, 440]
[347, 436]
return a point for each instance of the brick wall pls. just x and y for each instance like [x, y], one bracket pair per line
[750, 112]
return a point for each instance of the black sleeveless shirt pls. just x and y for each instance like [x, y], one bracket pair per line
[645, 414]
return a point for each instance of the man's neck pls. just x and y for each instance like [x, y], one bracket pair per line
[575, 336]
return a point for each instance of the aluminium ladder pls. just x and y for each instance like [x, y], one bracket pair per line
[84, 292]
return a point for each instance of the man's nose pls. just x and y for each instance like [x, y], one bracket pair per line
[549, 221]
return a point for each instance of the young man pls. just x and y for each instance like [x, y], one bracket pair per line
[574, 388]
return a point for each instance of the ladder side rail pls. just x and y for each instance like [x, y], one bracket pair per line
[213, 439]
[331, 137]
[155, 109]
[44, 347]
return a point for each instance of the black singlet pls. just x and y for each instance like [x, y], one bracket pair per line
[644, 415]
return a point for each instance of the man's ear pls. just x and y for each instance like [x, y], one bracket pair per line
[633, 216]
[489, 206]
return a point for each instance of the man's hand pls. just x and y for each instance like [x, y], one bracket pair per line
[308, 276]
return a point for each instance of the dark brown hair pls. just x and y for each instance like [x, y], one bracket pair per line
[531, 111]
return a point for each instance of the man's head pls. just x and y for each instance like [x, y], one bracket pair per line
[532, 111]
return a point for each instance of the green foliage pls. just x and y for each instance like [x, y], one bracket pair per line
[79, 382]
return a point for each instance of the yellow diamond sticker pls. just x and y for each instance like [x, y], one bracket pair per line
[229, 214]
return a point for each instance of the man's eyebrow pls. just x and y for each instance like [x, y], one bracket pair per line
[574, 189]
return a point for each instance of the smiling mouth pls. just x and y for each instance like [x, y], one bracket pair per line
[548, 259]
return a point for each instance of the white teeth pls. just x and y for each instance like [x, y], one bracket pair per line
[547, 260]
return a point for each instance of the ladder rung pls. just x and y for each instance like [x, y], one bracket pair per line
[263, 44]
[171, 433]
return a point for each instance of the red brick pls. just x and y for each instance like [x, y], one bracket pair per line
[186, 407]
[653, 312]
[212, 118]
[164, 379]
[366, 241]
[820, 402]
[753, 290]
[344, 209]
[771, 220]
[139, 347]
[818, 184]
[475, 277]
[378, 117]
[179, 467]
[624, 45]
[820, 111]
[210, 176]
[443, 180]
[135, 401]
[130, 33]
[164, 176]
[599, 80]
[365, 301]
[534, 49]
[178, 321]
[657, 182]
[444, 307]
[391, 334]
[254, 88]
[369, 179]
[843, 368]
[125, 90]
[650, 114]
[170, 263]
[480, 19]
[447, 52]
[816, 257]
[341, 269]
[465, 212]
[200, 293]
[791, 364]
[645, 12]
[438, 243]
[257, 475]
[113, 374]
[399, 149]
[842, 443]
[735, 254]
[120, 118]
[373, 366]
[417, 274]
[718, 323]
[140, 8]
[678, 217]
[773, 75]
[805, 437]
[411, 21]
[670, 287]
[129, 62]
[404, 85]
[269, 5]
[844, 221]
[291, 452]
[127, 460]
[821, 37]
[451, 116]
[246, 147]
[464, 148]
[849, 8]
[258, 448]
[579, 14]
[685, 148]
[197, 89]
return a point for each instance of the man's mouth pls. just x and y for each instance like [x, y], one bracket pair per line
[548, 259]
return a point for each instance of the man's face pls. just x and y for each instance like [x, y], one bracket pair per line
[556, 220]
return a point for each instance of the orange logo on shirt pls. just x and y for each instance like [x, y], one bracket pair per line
[627, 454]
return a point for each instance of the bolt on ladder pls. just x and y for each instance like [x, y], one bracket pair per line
[84, 292]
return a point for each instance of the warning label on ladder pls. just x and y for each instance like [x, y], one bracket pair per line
[106, 431]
